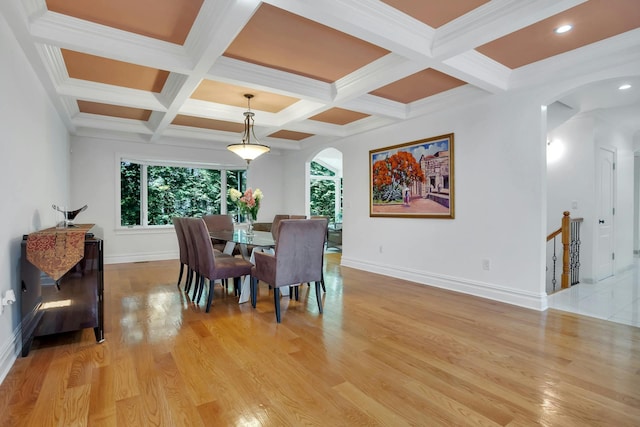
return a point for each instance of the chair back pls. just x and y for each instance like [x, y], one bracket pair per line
[218, 222]
[190, 240]
[202, 246]
[326, 220]
[276, 224]
[299, 251]
[182, 242]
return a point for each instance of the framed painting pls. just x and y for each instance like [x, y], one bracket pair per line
[413, 180]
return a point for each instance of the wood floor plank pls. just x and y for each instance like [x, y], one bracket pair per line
[75, 407]
[385, 352]
[102, 404]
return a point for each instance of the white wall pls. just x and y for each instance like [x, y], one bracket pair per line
[95, 171]
[34, 174]
[636, 205]
[499, 183]
[571, 178]
[607, 135]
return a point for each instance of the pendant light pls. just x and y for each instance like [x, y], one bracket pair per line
[248, 150]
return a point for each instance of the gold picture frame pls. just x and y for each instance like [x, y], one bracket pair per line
[413, 180]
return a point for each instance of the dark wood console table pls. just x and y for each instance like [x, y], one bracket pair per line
[73, 302]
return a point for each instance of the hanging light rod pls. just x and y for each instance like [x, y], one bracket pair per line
[248, 150]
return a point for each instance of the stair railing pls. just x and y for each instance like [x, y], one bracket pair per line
[569, 232]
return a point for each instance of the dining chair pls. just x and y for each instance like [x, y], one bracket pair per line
[182, 248]
[218, 223]
[192, 256]
[275, 224]
[326, 237]
[213, 267]
[192, 260]
[297, 259]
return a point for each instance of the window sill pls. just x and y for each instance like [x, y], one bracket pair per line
[138, 229]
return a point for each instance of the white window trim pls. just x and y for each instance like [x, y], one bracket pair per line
[145, 161]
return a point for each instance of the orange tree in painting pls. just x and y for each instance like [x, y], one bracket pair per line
[390, 175]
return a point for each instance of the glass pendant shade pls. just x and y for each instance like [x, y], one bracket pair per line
[248, 150]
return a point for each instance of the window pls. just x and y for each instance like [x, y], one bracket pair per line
[326, 193]
[152, 194]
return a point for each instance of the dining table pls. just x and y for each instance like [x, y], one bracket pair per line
[258, 241]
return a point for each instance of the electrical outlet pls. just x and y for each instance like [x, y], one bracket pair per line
[486, 264]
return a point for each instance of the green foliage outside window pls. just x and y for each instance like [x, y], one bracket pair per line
[323, 193]
[130, 193]
[236, 180]
[173, 191]
[318, 170]
[176, 191]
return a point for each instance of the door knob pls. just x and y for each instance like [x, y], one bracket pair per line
[601, 221]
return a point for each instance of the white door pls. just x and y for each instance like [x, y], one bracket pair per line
[605, 210]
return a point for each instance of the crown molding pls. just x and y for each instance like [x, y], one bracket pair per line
[477, 69]
[448, 100]
[108, 94]
[377, 23]
[375, 105]
[87, 37]
[622, 50]
[237, 72]
[217, 24]
[85, 120]
[378, 73]
[493, 20]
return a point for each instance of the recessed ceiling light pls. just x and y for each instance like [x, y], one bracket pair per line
[625, 87]
[563, 29]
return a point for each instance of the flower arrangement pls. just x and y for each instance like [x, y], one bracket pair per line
[248, 203]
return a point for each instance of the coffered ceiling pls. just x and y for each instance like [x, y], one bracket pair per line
[175, 71]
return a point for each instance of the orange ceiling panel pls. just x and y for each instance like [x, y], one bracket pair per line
[435, 13]
[592, 21]
[168, 20]
[114, 110]
[201, 122]
[109, 71]
[302, 50]
[223, 93]
[420, 85]
[282, 40]
[338, 116]
[290, 134]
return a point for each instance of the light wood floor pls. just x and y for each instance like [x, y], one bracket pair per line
[385, 352]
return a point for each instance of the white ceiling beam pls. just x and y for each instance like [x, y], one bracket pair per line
[376, 23]
[491, 21]
[219, 23]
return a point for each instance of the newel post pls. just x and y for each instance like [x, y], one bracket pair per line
[566, 238]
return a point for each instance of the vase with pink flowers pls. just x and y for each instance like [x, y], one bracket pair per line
[248, 204]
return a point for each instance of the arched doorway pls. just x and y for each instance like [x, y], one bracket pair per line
[325, 185]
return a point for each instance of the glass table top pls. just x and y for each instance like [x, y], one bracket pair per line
[259, 238]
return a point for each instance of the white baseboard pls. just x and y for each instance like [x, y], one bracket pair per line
[140, 257]
[480, 289]
[9, 352]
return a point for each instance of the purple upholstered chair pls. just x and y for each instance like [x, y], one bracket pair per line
[192, 256]
[212, 267]
[298, 259]
[218, 223]
[275, 224]
[182, 246]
